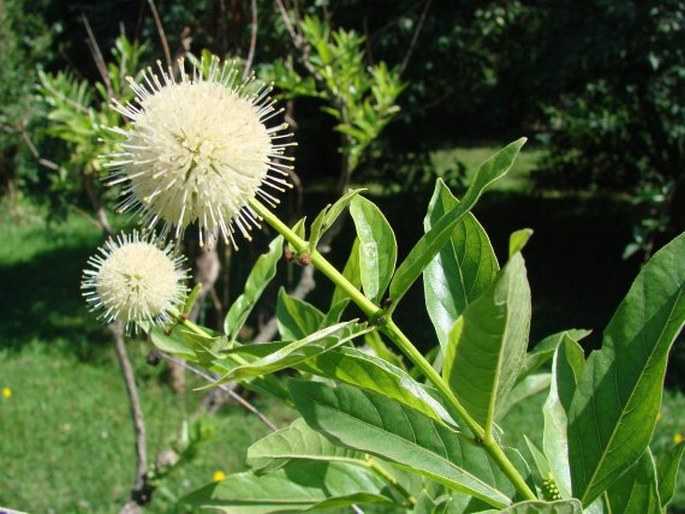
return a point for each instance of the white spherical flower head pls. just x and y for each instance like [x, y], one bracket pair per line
[198, 150]
[132, 279]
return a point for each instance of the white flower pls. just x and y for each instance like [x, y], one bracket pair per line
[133, 279]
[198, 150]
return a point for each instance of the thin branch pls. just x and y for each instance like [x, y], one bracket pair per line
[97, 56]
[288, 25]
[141, 492]
[239, 399]
[160, 31]
[253, 40]
[415, 36]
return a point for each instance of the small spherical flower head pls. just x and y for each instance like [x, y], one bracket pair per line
[198, 150]
[133, 279]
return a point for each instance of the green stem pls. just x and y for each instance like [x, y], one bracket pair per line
[388, 327]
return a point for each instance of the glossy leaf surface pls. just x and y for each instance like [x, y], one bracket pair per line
[461, 271]
[377, 247]
[488, 342]
[614, 409]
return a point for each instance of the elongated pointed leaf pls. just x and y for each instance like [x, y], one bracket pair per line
[368, 422]
[488, 342]
[518, 240]
[433, 241]
[262, 273]
[567, 365]
[296, 318]
[540, 468]
[636, 490]
[571, 506]
[615, 406]
[354, 367]
[296, 441]
[667, 471]
[296, 487]
[325, 219]
[461, 271]
[296, 352]
[377, 247]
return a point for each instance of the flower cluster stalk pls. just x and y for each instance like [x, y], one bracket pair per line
[390, 329]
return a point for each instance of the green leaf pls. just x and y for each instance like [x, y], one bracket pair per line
[541, 468]
[192, 297]
[571, 506]
[518, 240]
[262, 273]
[615, 406]
[296, 487]
[461, 271]
[325, 219]
[369, 422]
[487, 344]
[524, 389]
[567, 365]
[433, 241]
[377, 247]
[300, 228]
[296, 318]
[667, 469]
[296, 352]
[636, 490]
[296, 441]
[544, 350]
[351, 273]
[354, 367]
[171, 343]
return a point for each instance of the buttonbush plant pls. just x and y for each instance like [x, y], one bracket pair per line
[382, 425]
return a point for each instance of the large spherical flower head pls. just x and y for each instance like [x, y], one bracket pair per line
[198, 149]
[133, 279]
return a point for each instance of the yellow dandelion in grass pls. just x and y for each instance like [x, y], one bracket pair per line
[6, 392]
[218, 475]
[198, 149]
[678, 438]
[134, 279]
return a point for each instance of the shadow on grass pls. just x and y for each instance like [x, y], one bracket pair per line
[41, 302]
